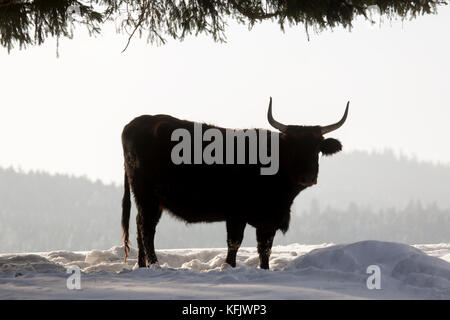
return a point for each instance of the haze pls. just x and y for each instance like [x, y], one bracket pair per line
[66, 115]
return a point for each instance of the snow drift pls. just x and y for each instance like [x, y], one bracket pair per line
[323, 271]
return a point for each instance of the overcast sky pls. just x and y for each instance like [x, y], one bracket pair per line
[66, 115]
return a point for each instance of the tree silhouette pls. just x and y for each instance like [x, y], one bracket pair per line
[31, 22]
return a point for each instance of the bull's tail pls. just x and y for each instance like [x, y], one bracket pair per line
[126, 207]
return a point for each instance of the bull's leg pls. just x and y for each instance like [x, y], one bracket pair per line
[140, 242]
[235, 234]
[265, 240]
[149, 214]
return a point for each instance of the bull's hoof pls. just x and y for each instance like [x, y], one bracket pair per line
[231, 264]
[226, 266]
[155, 266]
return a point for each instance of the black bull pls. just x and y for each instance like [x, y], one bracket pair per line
[235, 193]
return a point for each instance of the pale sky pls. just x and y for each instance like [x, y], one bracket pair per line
[66, 115]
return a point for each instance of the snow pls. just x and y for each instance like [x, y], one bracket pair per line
[324, 271]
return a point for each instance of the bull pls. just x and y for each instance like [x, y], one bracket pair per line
[235, 193]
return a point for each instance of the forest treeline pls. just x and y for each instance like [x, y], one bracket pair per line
[360, 196]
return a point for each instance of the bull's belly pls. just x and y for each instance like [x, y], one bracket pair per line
[197, 209]
[196, 217]
[209, 204]
[191, 213]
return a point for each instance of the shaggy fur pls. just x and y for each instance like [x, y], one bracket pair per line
[236, 194]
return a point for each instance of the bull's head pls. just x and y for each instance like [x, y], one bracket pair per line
[301, 146]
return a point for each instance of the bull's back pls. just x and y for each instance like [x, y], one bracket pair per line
[193, 192]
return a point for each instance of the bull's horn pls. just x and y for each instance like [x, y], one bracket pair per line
[272, 121]
[337, 125]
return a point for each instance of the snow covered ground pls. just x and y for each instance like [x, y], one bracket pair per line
[324, 271]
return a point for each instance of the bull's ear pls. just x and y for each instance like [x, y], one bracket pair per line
[330, 146]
